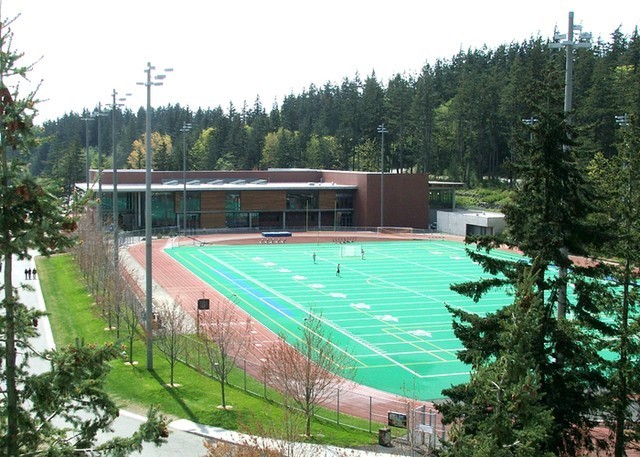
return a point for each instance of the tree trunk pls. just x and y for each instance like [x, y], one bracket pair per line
[222, 390]
[10, 344]
[623, 395]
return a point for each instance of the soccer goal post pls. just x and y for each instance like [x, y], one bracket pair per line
[350, 250]
[399, 231]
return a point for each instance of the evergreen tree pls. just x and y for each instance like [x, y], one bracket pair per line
[501, 411]
[422, 114]
[547, 218]
[397, 106]
[32, 219]
[618, 179]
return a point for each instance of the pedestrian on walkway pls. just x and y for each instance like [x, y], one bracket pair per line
[26, 273]
[34, 272]
[338, 270]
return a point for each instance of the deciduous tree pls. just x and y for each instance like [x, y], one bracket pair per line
[173, 323]
[225, 335]
[33, 219]
[311, 369]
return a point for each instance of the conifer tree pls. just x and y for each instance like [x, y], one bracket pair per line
[547, 219]
[618, 180]
[33, 219]
[503, 404]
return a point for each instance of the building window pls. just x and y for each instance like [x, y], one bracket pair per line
[163, 212]
[441, 198]
[193, 201]
[302, 200]
[344, 201]
[237, 219]
[232, 202]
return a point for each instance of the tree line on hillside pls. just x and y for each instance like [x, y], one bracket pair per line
[461, 118]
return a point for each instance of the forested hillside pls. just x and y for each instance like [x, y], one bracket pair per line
[460, 118]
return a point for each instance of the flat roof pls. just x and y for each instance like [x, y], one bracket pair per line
[445, 184]
[174, 186]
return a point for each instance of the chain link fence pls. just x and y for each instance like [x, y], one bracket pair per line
[419, 423]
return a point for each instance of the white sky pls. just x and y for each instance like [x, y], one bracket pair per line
[231, 51]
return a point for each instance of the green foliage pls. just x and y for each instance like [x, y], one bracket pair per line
[73, 314]
[461, 117]
[58, 412]
[553, 198]
[618, 181]
[548, 217]
[72, 392]
[490, 197]
[501, 411]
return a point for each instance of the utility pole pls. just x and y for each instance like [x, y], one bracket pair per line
[116, 215]
[98, 114]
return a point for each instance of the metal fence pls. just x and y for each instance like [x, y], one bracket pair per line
[343, 406]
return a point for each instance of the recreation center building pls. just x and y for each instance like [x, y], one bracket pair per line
[273, 199]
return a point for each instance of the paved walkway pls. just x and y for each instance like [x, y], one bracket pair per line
[186, 437]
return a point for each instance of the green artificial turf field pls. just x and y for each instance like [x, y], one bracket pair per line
[386, 309]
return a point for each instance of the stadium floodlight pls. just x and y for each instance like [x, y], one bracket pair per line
[382, 130]
[148, 211]
[623, 120]
[569, 41]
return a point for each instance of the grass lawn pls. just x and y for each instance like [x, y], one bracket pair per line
[73, 314]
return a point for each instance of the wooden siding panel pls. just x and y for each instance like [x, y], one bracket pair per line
[213, 220]
[273, 200]
[212, 201]
[327, 199]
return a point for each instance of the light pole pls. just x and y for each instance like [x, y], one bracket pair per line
[116, 242]
[157, 81]
[382, 130]
[622, 120]
[98, 114]
[185, 128]
[86, 141]
[569, 41]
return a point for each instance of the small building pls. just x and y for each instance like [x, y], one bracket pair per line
[265, 199]
[471, 222]
[442, 195]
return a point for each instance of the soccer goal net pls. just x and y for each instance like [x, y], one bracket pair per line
[395, 231]
[350, 250]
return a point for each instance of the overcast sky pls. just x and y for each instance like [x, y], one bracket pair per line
[233, 51]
